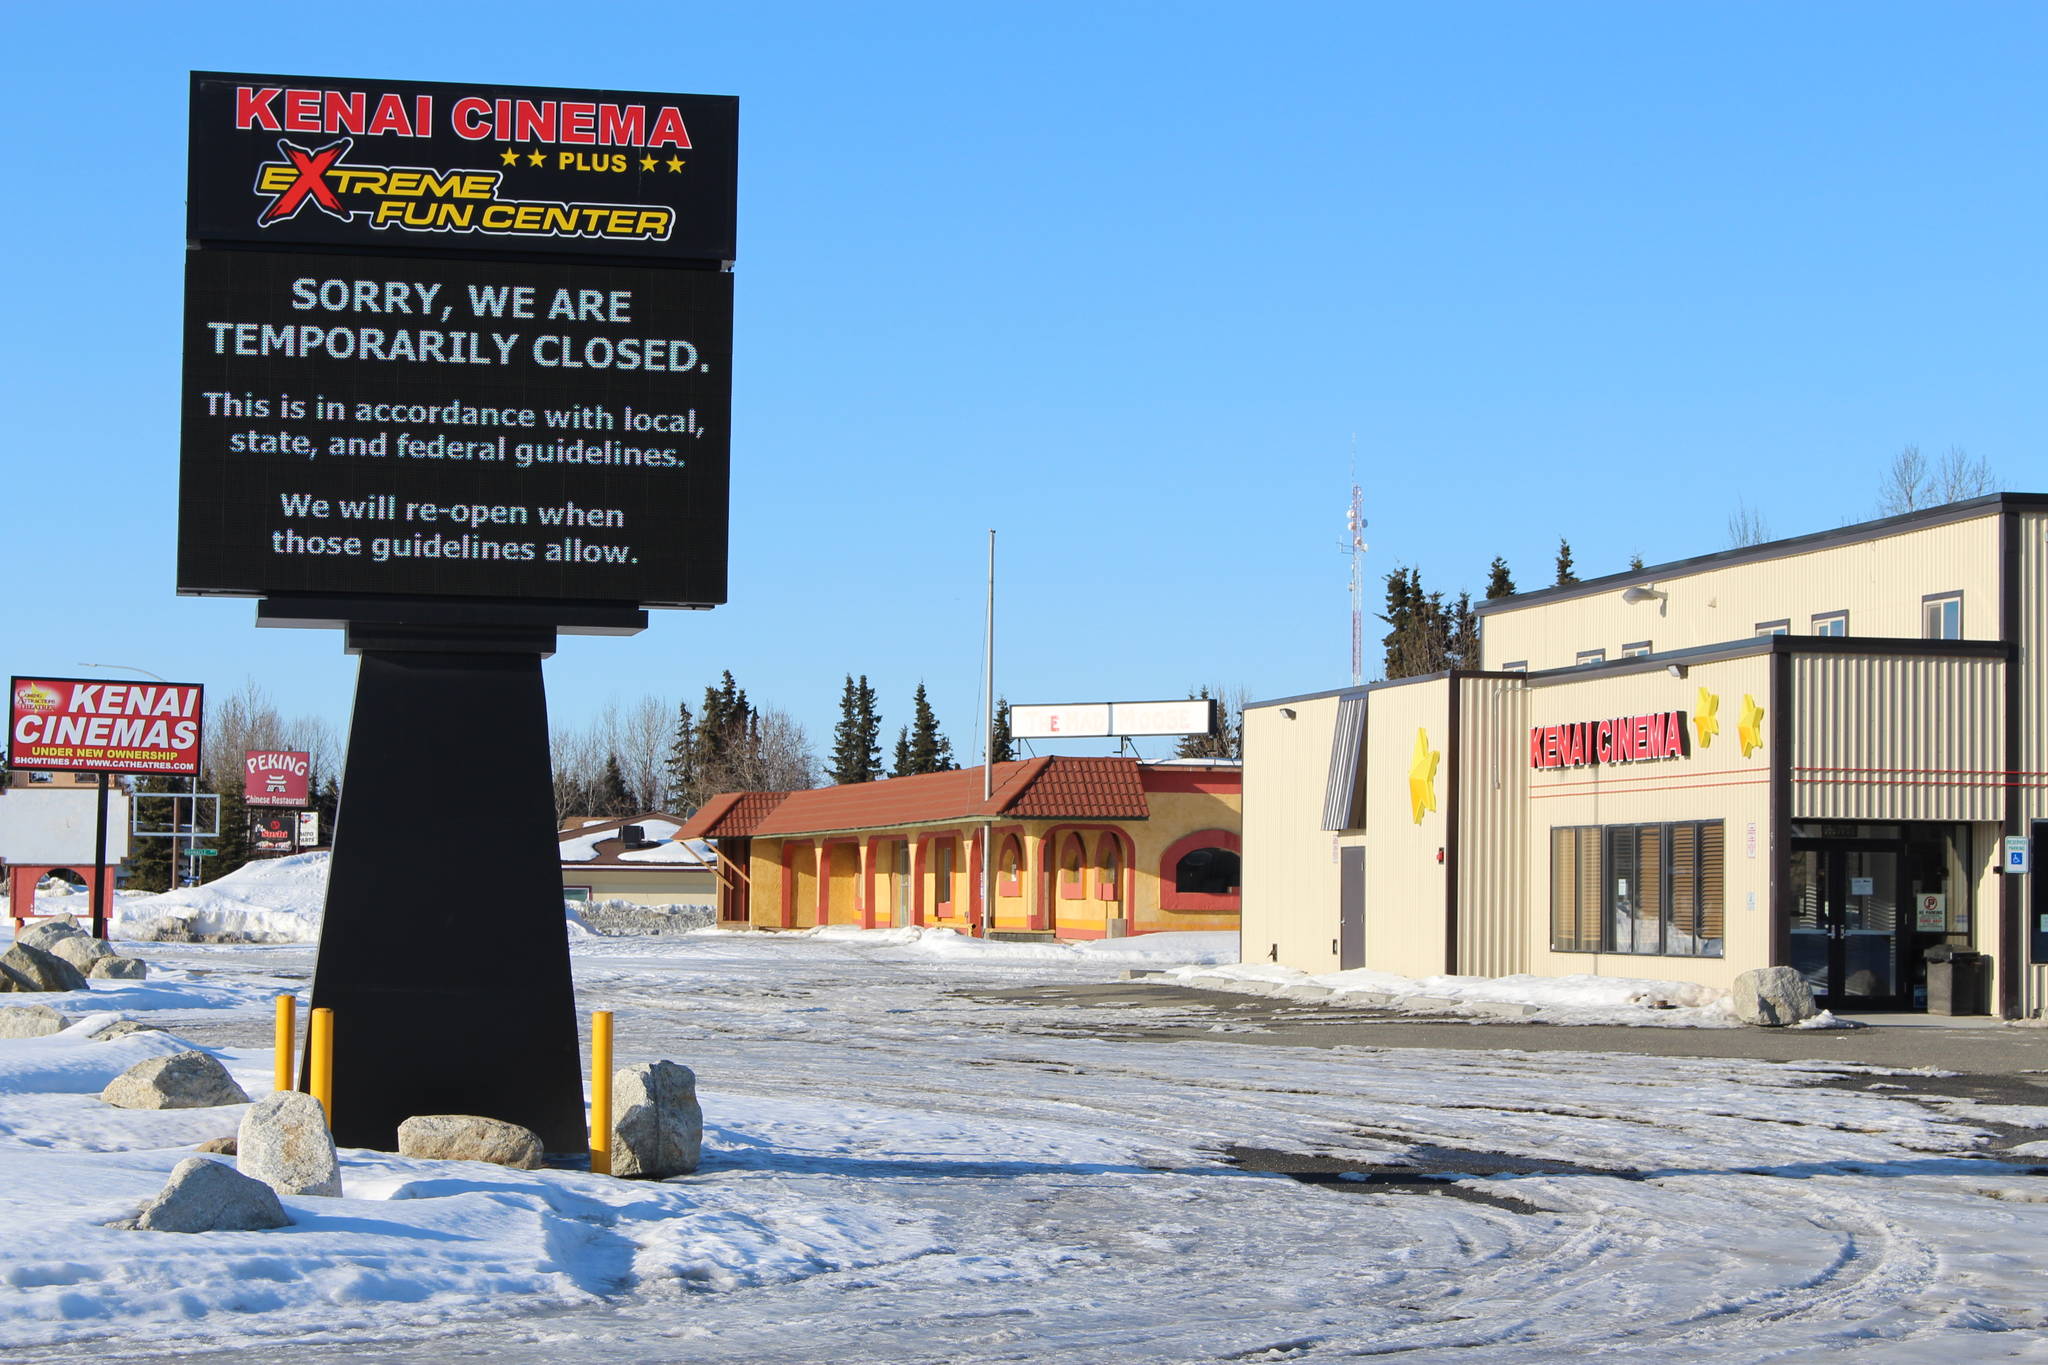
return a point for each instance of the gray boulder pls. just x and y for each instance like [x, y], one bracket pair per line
[658, 1129]
[30, 1021]
[183, 1080]
[1772, 997]
[283, 1142]
[209, 1196]
[469, 1137]
[81, 951]
[47, 935]
[221, 1146]
[23, 968]
[121, 1028]
[116, 968]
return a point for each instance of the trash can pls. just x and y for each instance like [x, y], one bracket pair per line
[1958, 981]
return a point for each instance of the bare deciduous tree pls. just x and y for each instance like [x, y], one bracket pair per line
[1909, 483]
[1746, 526]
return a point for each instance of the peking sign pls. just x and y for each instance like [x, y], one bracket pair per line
[276, 777]
[457, 341]
[79, 725]
[1655, 735]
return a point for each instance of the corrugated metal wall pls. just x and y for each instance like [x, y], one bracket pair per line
[1290, 863]
[1878, 582]
[2032, 531]
[1877, 738]
[1404, 899]
[1493, 792]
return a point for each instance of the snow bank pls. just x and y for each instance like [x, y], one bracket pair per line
[1576, 999]
[271, 900]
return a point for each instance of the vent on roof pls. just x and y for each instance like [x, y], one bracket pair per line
[635, 836]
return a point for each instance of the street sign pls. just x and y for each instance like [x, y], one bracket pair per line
[2019, 854]
[202, 852]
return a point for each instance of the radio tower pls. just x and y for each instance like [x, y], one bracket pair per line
[1354, 546]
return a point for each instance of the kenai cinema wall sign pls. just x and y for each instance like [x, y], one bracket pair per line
[1624, 739]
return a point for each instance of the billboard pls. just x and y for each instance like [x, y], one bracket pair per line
[77, 725]
[309, 829]
[275, 832]
[379, 404]
[276, 777]
[1114, 719]
[38, 825]
[325, 161]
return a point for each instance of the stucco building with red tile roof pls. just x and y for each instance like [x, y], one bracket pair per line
[1081, 847]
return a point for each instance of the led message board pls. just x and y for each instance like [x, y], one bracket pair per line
[454, 428]
[507, 376]
[405, 165]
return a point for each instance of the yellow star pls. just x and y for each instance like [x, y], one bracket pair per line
[1422, 776]
[1706, 718]
[509, 157]
[675, 163]
[536, 159]
[1749, 727]
[648, 163]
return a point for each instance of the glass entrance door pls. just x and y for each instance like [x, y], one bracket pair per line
[1846, 938]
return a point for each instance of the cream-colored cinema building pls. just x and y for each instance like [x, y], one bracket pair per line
[1809, 752]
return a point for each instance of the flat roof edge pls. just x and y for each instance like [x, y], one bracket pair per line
[1969, 509]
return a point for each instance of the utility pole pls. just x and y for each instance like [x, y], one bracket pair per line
[988, 747]
[1353, 545]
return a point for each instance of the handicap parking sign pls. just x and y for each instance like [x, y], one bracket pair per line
[2018, 853]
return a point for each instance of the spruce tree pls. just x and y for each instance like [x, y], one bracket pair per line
[1420, 639]
[901, 767]
[1499, 582]
[1002, 748]
[149, 859]
[930, 751]
[849, 744]
[683, 797]
[1635, 562]
[869, 720]
[611, 797]
[1565, 576]
[327, 802]
[1463, 641]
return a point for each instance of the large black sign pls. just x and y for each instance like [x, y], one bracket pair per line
[412, 165]
[510, 377]
[358, 424]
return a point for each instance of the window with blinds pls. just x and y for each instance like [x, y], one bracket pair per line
[1650, 889]
[1576, 904]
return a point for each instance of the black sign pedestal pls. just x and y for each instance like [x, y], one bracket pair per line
[444, 954]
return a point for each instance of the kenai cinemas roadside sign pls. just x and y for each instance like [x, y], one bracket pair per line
[457, 341]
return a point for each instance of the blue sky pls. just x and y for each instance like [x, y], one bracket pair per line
[1124, 281]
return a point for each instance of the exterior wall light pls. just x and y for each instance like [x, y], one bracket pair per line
[1287, 711]
[1675, 670]
[1642, 592]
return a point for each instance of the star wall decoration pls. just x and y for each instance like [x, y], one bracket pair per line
[1706, 718]
[1422, 776]
[1749, 727]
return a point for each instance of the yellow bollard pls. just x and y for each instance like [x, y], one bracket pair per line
[601, 1092]
[287, 1022]
[320, 1034]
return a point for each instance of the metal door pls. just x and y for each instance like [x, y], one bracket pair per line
[1350, 908]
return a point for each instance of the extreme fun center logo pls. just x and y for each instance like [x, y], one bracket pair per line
[548, 137]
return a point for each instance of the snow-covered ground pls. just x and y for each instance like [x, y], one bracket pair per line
[897, 1171]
